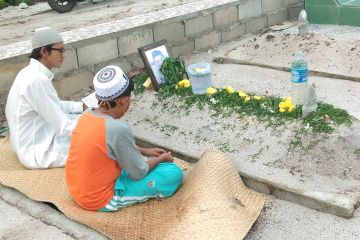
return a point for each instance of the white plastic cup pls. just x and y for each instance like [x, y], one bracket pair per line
[200, 77]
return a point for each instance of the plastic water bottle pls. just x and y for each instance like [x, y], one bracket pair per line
[303, 22]
[299, 78]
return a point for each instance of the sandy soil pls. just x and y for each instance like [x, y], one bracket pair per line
[327, 49]
[18, 24]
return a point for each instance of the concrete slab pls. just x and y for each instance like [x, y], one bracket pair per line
[286, 220]
[16, 224]
[322, 173]
[24, 218]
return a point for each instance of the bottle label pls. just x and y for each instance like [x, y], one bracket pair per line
[299, 75]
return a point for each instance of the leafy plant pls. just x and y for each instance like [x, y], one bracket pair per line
[13, 2]
[174, 71]
[265, 108]
[139, 81]
[3, 4]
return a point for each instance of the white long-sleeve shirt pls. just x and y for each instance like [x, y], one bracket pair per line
[40, 123]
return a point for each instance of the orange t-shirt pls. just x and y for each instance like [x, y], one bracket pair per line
[90, 173]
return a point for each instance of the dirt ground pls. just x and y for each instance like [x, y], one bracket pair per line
[18, 24]
[330, 50]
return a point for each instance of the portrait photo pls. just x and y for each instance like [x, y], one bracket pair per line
[153, 56]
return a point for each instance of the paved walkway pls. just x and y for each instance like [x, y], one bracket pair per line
[25, 21]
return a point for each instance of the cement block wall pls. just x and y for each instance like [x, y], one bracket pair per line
[189, 27]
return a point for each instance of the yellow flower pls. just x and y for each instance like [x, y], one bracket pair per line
[199, 70]
[229, 89]
[257, 97]
[242, 94]
[211, 91]
[291, 108]
[185, 83]
[247, 99]
[286, 105]
[282, 105]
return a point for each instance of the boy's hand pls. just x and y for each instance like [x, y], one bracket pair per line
[166, 157]
[152, 152]
[157, 151]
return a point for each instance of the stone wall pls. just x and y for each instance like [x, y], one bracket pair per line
[187, 28]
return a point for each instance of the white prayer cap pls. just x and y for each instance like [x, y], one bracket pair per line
[110, 82]
[45, 36]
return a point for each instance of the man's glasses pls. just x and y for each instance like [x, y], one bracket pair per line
[60, 50]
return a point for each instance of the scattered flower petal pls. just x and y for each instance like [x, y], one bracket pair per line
[257, 97]
[242, 94]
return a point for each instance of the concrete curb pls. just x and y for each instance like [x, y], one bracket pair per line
[227, 60]
[323, 202]
[48, 215]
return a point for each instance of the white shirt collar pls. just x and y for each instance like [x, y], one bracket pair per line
[35, 63]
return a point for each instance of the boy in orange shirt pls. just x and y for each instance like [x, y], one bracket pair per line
[105, 170]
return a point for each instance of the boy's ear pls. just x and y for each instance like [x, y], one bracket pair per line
[122, 100]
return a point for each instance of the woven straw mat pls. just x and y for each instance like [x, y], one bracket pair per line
[212, 203]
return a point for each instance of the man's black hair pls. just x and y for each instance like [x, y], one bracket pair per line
[35, 54]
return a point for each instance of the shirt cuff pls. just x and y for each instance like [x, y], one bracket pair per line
[78, 107]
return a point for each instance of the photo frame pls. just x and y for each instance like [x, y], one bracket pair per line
[153, 56]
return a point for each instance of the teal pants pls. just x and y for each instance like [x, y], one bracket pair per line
[161, 182]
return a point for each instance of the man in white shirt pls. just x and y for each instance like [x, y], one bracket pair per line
[40, 123]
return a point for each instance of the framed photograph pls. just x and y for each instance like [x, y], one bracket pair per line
[153, 56]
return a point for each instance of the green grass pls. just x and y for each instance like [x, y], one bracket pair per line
[357, 152]
[139, 81]
[223, 104]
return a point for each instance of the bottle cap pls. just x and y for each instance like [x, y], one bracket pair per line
[299, 55]
[303, 15]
